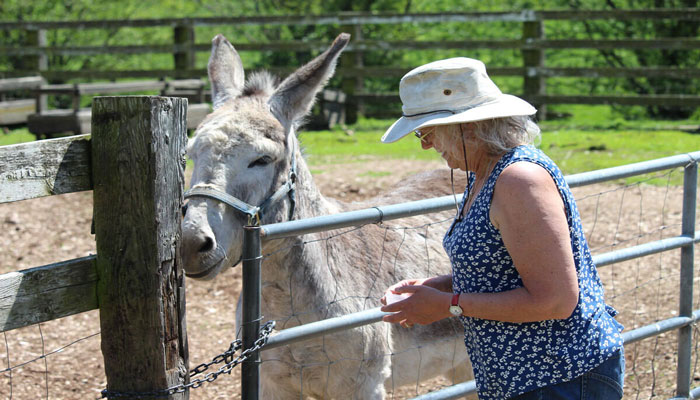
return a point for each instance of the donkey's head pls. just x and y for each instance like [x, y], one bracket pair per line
[244, 154]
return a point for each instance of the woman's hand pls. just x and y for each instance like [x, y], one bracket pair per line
[442, 283]
[425, 305]
[406, 282]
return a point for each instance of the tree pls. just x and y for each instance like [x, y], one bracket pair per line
[670, 28]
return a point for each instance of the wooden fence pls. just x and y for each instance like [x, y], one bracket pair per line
[17, 109]
[534, 69]
[46, 122]
[134, 163]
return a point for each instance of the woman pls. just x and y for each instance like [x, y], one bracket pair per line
[523, 282]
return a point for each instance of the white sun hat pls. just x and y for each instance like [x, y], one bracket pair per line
[451, 91]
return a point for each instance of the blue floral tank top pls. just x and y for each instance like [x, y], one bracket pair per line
[513, 358]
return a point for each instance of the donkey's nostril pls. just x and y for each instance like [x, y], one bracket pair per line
[208, 245]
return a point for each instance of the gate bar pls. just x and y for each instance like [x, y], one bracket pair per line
[625, 171]
[349, 321]
[660, 327]
[450, 393]
[324, 327]
[465, 388]
[359, 217]
[645, 249]
[403, 210]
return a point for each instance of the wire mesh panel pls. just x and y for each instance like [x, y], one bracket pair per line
[616, 216]
[61, 358]
[34, 360]
[643, 290]
[351, 270]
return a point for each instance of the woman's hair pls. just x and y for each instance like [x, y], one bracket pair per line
[497, 135]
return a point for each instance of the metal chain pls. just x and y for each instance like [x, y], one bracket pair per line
[226, 357]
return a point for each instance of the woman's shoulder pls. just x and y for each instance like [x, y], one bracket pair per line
[521, 189]
[527, 161]
[521, 178]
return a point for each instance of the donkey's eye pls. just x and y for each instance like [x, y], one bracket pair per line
[260, 162]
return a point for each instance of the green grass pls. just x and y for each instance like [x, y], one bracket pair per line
[376, 174]
[578, 150]
[359, 142]
[607, 118]
[592, 138]
[15, 136]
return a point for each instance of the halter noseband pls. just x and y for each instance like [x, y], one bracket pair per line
[254, 213]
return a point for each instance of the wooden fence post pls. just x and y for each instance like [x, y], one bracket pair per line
[184, 57]
[138, 158]
[534, 83]
[34, 62]
[37, 63]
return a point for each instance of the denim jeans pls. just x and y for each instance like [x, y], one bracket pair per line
[603, 382]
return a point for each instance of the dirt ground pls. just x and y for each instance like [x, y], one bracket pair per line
[62, 359]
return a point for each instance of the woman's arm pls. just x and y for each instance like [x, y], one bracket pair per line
[442, 283]
[529, 212]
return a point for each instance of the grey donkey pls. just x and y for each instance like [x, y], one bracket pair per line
[246, 148]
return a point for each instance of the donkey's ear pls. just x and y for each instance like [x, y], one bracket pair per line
[295, 95]
[225, 71]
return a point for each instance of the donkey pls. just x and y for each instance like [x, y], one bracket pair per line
[246, 152]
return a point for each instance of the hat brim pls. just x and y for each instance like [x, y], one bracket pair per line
[506, 106]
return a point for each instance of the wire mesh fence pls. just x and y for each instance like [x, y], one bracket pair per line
[644, 290]
[34, 360]
[618, 216]
[62, 359]
[358, 264]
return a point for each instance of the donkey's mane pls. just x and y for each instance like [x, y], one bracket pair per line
[260, 83]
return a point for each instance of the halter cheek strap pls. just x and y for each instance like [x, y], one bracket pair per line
[254, 213]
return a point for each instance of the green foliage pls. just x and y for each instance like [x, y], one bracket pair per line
[634, 29]
[44, 10]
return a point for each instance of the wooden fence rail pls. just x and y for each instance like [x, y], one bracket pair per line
[361, 18]
[532, 43]
[370, 45]
[134, 162]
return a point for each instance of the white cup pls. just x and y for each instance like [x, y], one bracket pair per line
[392, 297]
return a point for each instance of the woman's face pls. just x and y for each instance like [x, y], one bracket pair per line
[448, 145]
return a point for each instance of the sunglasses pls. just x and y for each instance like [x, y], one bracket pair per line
[422, 135]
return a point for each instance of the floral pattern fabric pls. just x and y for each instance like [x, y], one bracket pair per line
[513, 358]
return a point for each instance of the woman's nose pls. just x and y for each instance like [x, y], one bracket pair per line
[426, 144]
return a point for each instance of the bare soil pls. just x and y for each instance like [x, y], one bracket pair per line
[62, 359]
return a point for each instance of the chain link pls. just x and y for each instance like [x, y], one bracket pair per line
[226, 357]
